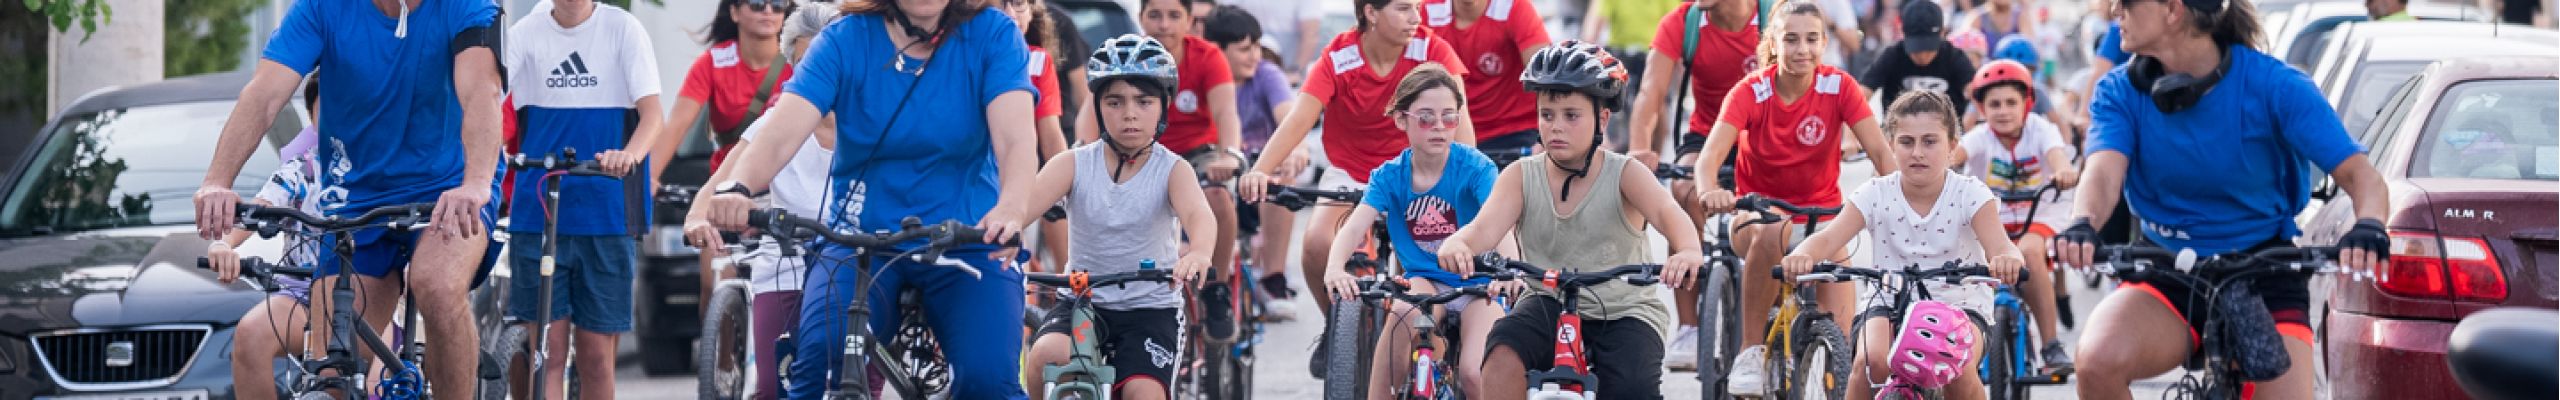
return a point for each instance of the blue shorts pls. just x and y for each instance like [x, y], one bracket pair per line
[381, 251]
[590, 281]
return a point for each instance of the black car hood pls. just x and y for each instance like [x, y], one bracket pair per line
[122, 277]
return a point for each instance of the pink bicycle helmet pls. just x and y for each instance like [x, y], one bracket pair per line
[1936, 339]
[1970, 40]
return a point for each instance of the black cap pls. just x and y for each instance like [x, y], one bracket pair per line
[1924, 26]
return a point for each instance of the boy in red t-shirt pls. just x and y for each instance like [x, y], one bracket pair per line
[1785, 121]
[1495, 37]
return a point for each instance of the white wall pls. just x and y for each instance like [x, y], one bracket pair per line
[126, 50]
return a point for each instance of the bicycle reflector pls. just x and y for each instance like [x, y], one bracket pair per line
[2425, 265]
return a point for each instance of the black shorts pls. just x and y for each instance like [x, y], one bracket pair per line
[2288, 298]
[1137, 343]
[1625, 354]
[1509, 147]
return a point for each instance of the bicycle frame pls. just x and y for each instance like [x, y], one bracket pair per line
[406, 380]
[1084, 361]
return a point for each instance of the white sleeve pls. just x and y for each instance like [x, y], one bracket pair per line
[282, 184]
[639, 58]
[2047, 133]
[1869, 195]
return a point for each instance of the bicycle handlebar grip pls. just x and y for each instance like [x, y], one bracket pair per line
[1825, 267]
[762, 218]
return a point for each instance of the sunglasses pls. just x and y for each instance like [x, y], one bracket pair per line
[1435, 120]
[768, 6]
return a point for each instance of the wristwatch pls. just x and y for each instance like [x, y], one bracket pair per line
[734, 187]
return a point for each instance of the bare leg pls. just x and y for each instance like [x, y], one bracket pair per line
[1684, 298]
[1222, 204]
[596, 349]
[1053, 240]
[2296, 383]
[556, 359]
[1050, 349]
[2131, 335]
[1761, 247]
[1312, 249]
[1477, 324]
[266, 332]
[1503, 362]
[1867, 367]
[2040, 298]
[1968, 384]
[1274, 254]
[1143, 389]
[441, 278]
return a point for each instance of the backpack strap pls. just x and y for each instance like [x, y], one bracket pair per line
[756, 105]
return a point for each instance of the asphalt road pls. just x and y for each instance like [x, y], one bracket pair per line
[1282, 372]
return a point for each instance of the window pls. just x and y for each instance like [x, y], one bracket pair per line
[2496, 129]
[128, 167]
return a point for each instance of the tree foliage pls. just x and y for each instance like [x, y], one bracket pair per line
[61, 14]
[206, 36]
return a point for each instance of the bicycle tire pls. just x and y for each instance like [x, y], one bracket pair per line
[1821, 367]
[2001, 361]
[726, 326]
[505, 345]
[1720, 296]
[1346, 355]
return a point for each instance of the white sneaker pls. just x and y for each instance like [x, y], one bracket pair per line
[1683, 352]
[1750, 372]
[1279, 311]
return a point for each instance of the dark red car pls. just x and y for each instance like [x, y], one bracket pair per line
[2468, 148]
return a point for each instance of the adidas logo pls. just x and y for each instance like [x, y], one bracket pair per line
[571, 73]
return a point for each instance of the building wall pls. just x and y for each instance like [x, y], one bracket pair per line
[124, 51]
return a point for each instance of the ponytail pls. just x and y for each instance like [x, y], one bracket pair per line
[2229, 22]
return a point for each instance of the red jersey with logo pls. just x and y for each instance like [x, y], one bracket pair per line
[1044, 79]
[1491, 47]
[1722, 59]
[724, 82]
[1202, 66]
[1358, 135]
[1791, 151]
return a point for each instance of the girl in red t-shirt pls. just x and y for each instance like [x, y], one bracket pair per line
[746, 43]
[1349, 87]
[1496, 38]
[1786, 121]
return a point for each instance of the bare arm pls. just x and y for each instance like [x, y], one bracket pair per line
[1302, 116]
[269, 88]
[1501, 211]
[2066, 174]
[652, 128]
[1827, 241]
[1052, 140]
[787, 123]
[1055, 181]
[1654, 201]
[1086, 130]
[1878, 154]
[2101, 185]
[1719, 145]
[1354, 231]
[1652, 103]
[2364, 184]
[1193, 209]
[2002, 254]
[1308, 47]
[1009, 129]
[1594, 22]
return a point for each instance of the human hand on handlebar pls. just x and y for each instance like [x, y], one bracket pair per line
[2077, 245]
[1253, 186]
[699, 233]
[216, 206]
[1340, 283]
[225, 262]
[1717, 200]
[1798, 264]
[727, 211]
[1001, 223]
[1682, 267]
[1457, 257]
[618, 162]
[2007, 266]
[2364, 247]
[1191, 268]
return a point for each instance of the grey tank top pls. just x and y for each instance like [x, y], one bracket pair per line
[1593, 236]
[1120, 224]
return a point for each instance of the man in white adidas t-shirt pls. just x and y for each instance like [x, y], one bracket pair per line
[584, 78]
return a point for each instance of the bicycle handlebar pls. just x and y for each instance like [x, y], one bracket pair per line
[1673, 171]
[678, 195]
[1297, 199]
[2035, 196]
[1950, 272]
[269, 220]
[789, 230]
[566, 163]
[2139, 263]
[1387, 288]
[1767, 208]
[262, 272]
[1639, 274]
[1081, 281]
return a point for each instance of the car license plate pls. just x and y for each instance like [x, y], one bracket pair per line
[166, 395]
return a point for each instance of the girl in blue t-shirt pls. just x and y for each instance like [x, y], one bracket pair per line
[937, 154]
[1423, 195]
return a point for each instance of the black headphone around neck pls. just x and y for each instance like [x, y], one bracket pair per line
[2174, 92]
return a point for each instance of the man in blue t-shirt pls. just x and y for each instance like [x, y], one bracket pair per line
[412, 117]
[579, 71]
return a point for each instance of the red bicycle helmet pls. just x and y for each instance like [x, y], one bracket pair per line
[1998, 72]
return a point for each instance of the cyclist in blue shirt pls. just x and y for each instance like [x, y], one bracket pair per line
[2214, 144]
[940, 154]
[1423, 195]
[413, 117]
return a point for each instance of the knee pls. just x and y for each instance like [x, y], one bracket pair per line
[2097, 363]
[1050, 349]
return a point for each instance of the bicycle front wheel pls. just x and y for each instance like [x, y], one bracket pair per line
[720, 357]
[1721, 297]
[1347, 351]
[1820, 369]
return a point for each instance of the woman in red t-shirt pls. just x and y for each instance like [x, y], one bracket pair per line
[746, 40]
[1033, 17]
[1349, 88]
[1786, 122]
[746, 43]
[1495, 37]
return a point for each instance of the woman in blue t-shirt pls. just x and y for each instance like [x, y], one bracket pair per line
[2214, 145]
[1423, 195]
[939, 154]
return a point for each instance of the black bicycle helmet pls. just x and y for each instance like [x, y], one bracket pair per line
[1138, 59]
[1577, 66]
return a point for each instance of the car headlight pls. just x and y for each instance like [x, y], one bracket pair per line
[666, 241]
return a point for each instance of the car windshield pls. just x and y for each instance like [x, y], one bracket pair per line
[2497, 129]
[2371, 87]
[124, 167]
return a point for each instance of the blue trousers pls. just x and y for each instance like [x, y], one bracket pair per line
[977, 319]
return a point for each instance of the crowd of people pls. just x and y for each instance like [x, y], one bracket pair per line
[1470, 127]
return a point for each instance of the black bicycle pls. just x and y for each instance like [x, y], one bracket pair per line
[1432, 373]
[2233, 317]
[340, 372]
[534, 342]
[910, 362]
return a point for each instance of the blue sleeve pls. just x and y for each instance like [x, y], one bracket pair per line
[1004, 46]
[1384, 185]
[1481, 185]
[2110, 115]
[823, 71]
[478, 13]
[2111, 46]
[2309, 126]
[298, 42]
